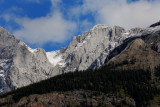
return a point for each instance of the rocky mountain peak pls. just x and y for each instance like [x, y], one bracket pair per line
[90, 49]
[143, 48]
[99, 26]
[6, 39]
[20, 65]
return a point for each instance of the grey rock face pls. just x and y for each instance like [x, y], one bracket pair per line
[20, 65]
[90, 50]
[8, 47]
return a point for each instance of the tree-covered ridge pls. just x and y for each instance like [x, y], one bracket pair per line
[135, 83]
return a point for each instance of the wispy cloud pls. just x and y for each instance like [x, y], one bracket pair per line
[60, 23]
[10, 13]
[141, 13]
[52, 28]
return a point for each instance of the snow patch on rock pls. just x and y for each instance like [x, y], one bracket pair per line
[32, 50]
[55, 58]
[151, 30]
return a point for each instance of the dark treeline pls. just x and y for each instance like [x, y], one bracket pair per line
[135, 83]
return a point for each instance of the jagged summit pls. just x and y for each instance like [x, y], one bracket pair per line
[20, 65]
[142, 48]
[91, 48]
[99, 26]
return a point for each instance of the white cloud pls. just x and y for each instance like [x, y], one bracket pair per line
[9, 14]
[119, 12]
[54, 27]
[51, 28]
[55, 2]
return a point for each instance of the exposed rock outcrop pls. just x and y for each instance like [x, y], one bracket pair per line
[143, 49]
[20, 65]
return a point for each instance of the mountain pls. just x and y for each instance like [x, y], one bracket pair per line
[140, 52]
[20, 65]
[122, 64]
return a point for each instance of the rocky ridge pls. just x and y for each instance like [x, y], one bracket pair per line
[90, 50]
[143, 49]
[20, 65]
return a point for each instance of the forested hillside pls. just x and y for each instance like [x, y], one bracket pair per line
[135, 83]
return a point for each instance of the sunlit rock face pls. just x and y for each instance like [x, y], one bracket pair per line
[20, 65]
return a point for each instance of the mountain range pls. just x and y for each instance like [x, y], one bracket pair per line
[20, 65]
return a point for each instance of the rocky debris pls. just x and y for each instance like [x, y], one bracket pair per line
[71, 99]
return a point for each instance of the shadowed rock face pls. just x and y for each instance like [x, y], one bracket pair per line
[20, 65]
[144, 50]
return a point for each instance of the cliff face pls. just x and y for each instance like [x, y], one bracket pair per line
[8, 48]
[20, 65]
[91, 49]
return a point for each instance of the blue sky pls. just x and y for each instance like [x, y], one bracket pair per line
[51, 24]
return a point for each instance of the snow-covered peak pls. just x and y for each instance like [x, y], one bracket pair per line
[32, 50]
[55, 58]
